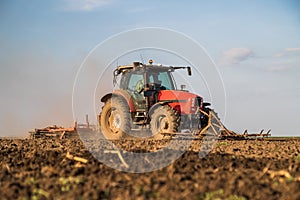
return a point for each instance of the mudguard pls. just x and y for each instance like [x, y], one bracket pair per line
[122, 94]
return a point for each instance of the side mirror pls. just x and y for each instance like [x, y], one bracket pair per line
[189, 71]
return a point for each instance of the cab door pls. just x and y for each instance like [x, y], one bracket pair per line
[135, 88]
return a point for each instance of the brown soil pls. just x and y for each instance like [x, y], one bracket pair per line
[246, 169]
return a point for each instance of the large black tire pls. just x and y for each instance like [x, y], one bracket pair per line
[164, 120]
[204, 120]
[115, 120]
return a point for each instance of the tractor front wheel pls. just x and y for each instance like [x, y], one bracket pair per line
[164, 120]
[115, 119]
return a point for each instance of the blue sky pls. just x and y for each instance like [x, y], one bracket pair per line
[255, 44]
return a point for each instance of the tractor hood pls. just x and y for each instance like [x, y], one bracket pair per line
[175, 95]
[183, 101]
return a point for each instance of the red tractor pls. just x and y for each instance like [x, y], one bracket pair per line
[147, 97]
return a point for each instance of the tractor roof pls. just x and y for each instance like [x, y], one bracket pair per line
[137, 66]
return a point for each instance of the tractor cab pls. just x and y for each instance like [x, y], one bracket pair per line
[144, 81]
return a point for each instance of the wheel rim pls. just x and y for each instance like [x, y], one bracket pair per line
[115, 121]
[162, 123]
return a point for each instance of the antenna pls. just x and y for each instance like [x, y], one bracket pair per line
[142, 59]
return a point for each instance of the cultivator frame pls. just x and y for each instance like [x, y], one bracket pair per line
[221, 131]
[52, 131]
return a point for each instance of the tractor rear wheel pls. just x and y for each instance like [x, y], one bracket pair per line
[115, 120]
[164, 120]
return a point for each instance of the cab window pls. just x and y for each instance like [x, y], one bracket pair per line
[134, 79]
[162, 78]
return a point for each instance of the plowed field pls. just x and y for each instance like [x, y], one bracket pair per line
[245, 169]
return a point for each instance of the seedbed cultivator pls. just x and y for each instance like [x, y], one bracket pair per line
[219, 129]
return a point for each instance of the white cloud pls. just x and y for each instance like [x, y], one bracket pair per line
[140, 9]
[84, 5]
[278, 68]
[292, 49]
[278, 55]
[287, 52]
[235, 56]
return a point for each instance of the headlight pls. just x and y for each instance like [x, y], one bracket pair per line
[193, 105]
[193, 102]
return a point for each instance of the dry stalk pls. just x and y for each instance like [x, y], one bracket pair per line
[76, 158]
[119, 155]
[283, 173]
